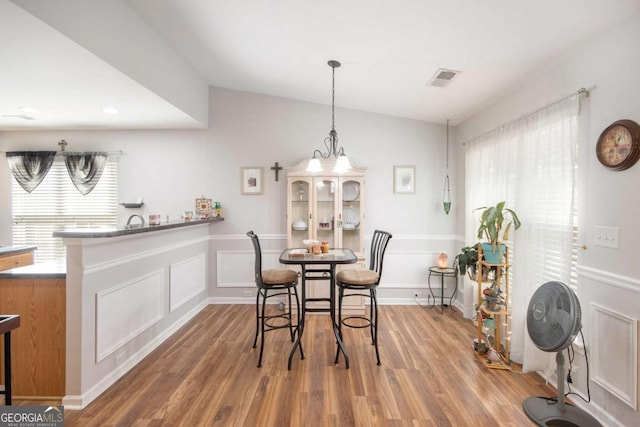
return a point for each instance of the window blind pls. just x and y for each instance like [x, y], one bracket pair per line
[56, 205]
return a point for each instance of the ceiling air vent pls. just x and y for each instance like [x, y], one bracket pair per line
[443, 77]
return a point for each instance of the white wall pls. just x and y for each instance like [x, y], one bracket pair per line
[608, 66]
[170, 168]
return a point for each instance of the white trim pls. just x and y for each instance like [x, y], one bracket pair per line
[238, 300]
[424, 237]
[396, 237]
[102, 266]
[196, 282]
[102, 353]
[601, 349]
[602, 276]
[248, 267]
[244, 237]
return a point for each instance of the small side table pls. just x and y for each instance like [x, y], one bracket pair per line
[443, 272]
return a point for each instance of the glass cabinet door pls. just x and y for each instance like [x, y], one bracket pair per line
[324, 223]
[299, 215]
[351, 213]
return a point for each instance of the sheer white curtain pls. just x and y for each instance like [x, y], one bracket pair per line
[531, 164]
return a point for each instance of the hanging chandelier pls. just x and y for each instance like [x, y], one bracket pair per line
[331, 142]
[446, 193]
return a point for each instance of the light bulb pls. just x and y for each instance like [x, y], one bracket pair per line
[342, 164]
[314, 165]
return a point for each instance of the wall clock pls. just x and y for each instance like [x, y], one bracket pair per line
[618, 146]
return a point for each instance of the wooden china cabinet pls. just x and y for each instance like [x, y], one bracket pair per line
[328, 207]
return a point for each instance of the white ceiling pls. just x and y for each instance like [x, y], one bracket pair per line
[389, 50]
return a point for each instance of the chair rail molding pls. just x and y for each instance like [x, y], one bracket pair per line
[608, 278]
[235, 267]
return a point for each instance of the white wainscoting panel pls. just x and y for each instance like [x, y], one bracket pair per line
[235, 267]
[405, 269]
[151, 253]
[187, 279]
[614, 339]
[126, 310]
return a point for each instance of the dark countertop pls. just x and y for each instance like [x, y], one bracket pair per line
[44, 270]
[91, 233]
[12, 250]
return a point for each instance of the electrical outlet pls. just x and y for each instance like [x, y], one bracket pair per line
[246, 293]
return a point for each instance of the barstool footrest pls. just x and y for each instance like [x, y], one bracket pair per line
[367, 321]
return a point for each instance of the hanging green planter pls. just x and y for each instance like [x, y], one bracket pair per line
[446, 197]
[446, 193]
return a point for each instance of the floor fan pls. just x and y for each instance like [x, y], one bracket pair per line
[553, 321]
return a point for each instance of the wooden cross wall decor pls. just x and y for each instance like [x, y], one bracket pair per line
[277, 168]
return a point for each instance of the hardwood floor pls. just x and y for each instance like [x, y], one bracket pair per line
[206, 374]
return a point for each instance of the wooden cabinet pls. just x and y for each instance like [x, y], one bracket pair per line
[38, 345]
[327, 207]
[494, 317]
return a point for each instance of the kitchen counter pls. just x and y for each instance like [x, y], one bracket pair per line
[15, 256]
[13, 250]
[89, 233]
[42, 270]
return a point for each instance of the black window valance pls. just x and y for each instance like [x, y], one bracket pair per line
[30, 167]
[85, 169]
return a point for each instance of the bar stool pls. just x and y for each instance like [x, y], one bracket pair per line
[363, 280]
[273, 283]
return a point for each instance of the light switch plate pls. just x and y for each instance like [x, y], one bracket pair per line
[609, 237]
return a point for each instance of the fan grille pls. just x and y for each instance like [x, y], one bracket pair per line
[553, 316]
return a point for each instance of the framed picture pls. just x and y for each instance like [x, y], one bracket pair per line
[251, 180]
[404, 179]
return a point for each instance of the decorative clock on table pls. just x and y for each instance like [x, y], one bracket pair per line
[618, 146]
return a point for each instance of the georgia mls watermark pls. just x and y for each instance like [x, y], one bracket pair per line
[31, 416]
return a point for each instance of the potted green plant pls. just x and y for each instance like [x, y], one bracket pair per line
[495, 225]
[493, 297]
[468, 261]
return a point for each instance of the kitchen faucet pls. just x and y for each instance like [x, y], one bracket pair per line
[136, 216]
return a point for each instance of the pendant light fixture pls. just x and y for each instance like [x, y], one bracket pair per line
[446, 193]
[331, 142]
